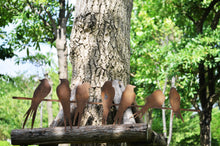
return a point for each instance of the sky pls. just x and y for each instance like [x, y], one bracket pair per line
[9, 67]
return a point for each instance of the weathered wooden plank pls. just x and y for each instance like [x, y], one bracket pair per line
[86, 134]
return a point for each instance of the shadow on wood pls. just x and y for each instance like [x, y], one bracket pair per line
[87, 134]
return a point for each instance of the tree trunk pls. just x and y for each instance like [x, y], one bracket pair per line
[62, 52]
[100, 49]
[170, 128]
[49, 106]
[205, 128]
[163, 110]
[206, 102]
[171, 117]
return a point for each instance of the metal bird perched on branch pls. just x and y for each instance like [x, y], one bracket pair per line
[155, 100]
[107, 93]
[63, 93]
[175, 102]
[40, 93]
[82, 96]
[128, 97]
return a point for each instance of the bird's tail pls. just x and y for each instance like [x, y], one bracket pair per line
[105, 116]
[180, 116]
[30, 111]
[26, 115]
[33, 117]
[66, 111]
[141, 112]
[172, 114]
[78, 114]
[117, 116]
[75, 116]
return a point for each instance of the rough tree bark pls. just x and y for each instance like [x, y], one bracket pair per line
[100, 48]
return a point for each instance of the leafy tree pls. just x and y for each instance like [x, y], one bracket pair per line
[42, 22]
[6, 16]
[187, 47]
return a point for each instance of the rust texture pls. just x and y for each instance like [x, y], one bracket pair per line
[82, 96]
[63, 93]
[40, 93]
[107, 93]
[175, 103]
[128, 97]
[155, 100]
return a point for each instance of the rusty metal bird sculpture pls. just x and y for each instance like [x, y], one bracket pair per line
[175, 103]
[82, 96]
[156, 100]
[40, 93]
[107, 93]
[63, 93]
[128, 97]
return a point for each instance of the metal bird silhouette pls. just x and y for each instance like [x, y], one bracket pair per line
[107, 93]
[175, 103]
[63, 93]
[40, 93]
[128, 97]
[156, 99]
[82, 96]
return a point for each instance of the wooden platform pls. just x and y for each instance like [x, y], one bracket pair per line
[87, 134]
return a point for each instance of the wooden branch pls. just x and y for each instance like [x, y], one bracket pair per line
[87, 134]
[53, 22]
[54, 100]
[215, 20]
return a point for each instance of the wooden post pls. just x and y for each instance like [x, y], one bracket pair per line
[87, 134]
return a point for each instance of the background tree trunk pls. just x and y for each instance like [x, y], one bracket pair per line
[62, 52]
[163, 110]
[171, 117]
[100, 48]
[49, 106]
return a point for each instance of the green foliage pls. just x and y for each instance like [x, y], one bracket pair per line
[11, 110]
[38, 59]
[6, 53]
[7, 14]
[36, 21]
[215, 126]
[4, 143]
[7, 11]
[165, 43]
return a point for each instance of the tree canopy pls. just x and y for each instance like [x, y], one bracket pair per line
[172, 38]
